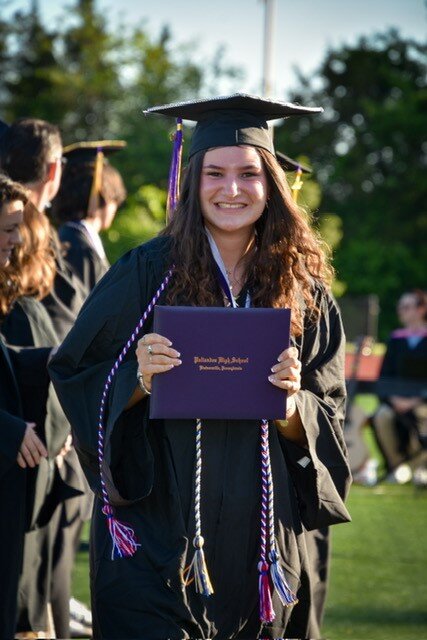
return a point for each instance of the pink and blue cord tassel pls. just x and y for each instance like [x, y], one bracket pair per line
[124, 540]
[274, 570]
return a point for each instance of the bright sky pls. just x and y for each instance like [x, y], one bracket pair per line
[304, 30]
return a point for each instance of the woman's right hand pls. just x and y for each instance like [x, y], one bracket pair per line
[32, 448]
[155, 355]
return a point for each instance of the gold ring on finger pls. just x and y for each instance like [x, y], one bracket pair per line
[150, 350]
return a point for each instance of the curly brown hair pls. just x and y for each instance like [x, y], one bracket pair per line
[32, 269]
[290, 260]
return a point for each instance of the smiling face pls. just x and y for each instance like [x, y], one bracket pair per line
[233, 188]
[11, 217]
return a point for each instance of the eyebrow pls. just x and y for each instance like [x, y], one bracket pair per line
[247, 166]
[8, 225]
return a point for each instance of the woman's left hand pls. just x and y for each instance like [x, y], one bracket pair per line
[286, 374]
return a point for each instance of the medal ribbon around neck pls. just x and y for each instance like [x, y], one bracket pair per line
[223, 280]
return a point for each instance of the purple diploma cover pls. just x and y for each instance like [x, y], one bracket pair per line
[227, 355]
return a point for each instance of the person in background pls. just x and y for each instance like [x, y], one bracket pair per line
[25, 322]
[400, 423]
[21, 444]
[91, 191]
[31, 153]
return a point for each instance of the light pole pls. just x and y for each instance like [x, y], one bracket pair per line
[268, 61]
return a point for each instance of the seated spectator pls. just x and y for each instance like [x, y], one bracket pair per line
[400, 420]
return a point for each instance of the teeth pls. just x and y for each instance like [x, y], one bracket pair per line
[230, 205]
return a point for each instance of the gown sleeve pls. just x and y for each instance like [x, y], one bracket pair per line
[27, 364]
[320, 472]
[79, 371]
[12, 431]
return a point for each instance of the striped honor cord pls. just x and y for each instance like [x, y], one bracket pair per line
[274, 571]
[123, 536]
[198, 568]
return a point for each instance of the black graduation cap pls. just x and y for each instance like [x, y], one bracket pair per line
[289, 164]
[87, 151]
[237, 119]
[92, 151]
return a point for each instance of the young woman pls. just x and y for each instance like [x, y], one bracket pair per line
[24, 321]
[236, 215]
[21, 448]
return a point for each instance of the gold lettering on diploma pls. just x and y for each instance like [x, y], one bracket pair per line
[221, 363]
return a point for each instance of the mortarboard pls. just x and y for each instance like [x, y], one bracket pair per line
[290, 165]
[225, 121]
[232, 120]
[87, 151]
[93, 151]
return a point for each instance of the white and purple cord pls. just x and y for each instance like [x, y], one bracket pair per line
[124, 541]
[123, 536]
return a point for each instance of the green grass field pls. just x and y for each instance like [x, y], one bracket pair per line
[378, 586]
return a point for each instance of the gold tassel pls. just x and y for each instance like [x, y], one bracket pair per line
[296, 187]
[95, 191]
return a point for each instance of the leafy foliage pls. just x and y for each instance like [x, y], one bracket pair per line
[95, 85]
[369, 151]
[141, 220]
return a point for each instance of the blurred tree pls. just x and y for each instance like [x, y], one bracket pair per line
[29, 68]
[369, 152]
[4, 52]
[91, 60]
[141, 219]
[161, 73]
[95, 86]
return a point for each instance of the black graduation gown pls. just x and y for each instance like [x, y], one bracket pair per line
[12, 478]
[68, 294]
[318, 543]
[81, 254]
[150, 465]
[28, 324]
